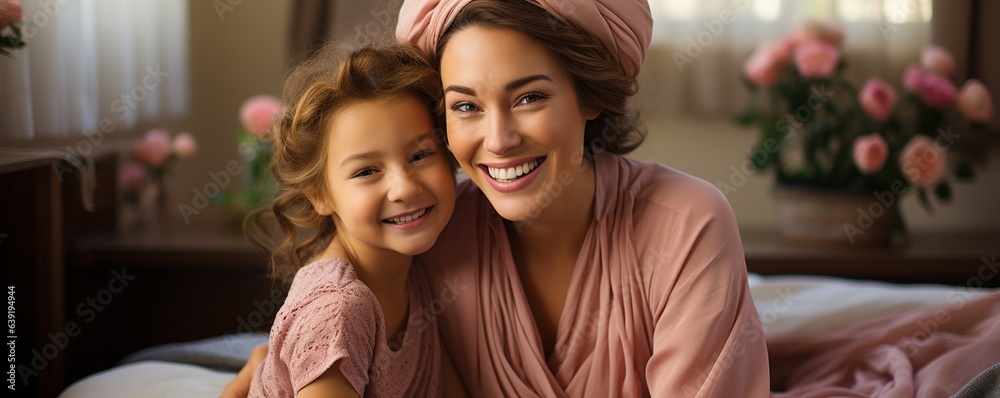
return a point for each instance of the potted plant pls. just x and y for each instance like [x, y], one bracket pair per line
[843, 157]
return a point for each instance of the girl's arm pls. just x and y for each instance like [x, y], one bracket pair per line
[331, 383]
[240, 386]
[451, 384]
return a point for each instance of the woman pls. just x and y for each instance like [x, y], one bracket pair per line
[567, 269]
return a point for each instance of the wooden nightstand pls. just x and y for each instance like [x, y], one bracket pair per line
[183, 284]
[88, 295]
[967, 259]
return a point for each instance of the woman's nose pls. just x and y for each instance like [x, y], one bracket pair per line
[404, 186]
[500, 136]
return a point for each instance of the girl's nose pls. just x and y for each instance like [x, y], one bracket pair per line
[404, 187]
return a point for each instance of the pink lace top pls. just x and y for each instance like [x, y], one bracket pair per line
[330, 316]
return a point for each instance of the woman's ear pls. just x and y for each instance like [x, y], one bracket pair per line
[591, 112]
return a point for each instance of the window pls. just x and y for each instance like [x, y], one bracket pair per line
[94, 65]
[699, 46]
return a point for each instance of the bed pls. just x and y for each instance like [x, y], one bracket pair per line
[786, 304]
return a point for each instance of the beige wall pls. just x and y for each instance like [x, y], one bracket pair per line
[233, 57]
[244, 54]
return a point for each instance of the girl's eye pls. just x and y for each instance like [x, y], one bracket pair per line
[364, 173]
[422, 155]
[463, 107]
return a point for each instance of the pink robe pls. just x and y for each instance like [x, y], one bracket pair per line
[658, 303]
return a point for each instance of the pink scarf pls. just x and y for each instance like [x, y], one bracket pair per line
[624, 27]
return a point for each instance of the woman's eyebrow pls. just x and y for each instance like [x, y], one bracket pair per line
[525, 80]
[513, 85]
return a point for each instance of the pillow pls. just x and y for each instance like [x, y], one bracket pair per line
[229, 352]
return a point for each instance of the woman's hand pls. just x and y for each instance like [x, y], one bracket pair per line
[240, 386]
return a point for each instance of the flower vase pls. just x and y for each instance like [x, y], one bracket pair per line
[827, 217]
[152, 207]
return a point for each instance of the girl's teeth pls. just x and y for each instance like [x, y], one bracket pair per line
[406, 219]
[512, 173]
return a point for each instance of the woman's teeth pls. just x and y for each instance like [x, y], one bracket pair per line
[512, 173]
[406, 219]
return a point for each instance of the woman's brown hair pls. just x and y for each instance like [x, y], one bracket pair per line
[292, 230]
[600, 81]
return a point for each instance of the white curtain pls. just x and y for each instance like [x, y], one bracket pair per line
[95, 64]
[881, 38]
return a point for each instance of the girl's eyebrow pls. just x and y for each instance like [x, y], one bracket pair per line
[362, 156]
[377, 153]
[507, 87]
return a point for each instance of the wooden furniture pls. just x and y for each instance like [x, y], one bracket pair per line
[184, 284]
[31, 212]
[87, 295]
[965, 259]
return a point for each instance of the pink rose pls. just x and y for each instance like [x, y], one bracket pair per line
[937, 92]
[816, 59]
[185, 145]
[921, 162]
[133, 176]
[912, 77]
[258, 113]
[153, 149]
[10, 12]
[820, 30]
[877, 99]
[937, 60]
[763, 67]
[870, 153]
[974, 101]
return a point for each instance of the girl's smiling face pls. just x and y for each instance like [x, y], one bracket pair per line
[388, 182]
[515, 122]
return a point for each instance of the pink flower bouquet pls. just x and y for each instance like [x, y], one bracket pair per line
[10, 26]
[257, 116]
[153, 156]
[818, 130]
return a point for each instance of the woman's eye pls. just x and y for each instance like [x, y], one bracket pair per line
[531, 98]
[364, 173]
[463, 107]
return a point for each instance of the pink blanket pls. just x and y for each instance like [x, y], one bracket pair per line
[923, 353]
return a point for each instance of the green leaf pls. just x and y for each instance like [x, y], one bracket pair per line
[747, 117]
[760, 158]
[964, 172]
[925, 200]
[943, 191]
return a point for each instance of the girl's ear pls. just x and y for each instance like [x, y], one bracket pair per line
[320, 202]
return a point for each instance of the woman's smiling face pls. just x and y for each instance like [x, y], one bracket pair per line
[515, 122]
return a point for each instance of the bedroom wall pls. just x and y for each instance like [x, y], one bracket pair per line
[244, 53]
[236, 52]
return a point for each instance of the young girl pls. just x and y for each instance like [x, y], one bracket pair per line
[359, 164]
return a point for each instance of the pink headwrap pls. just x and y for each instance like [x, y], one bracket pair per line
[625, 27]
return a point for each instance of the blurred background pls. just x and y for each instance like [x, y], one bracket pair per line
[93, 78]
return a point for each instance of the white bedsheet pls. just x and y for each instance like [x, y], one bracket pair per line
[151, 379]
[789, 303]
[785, 303]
